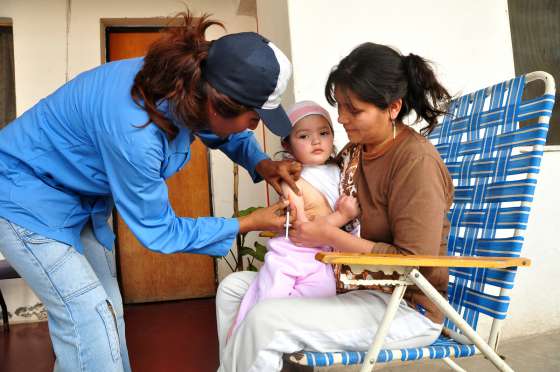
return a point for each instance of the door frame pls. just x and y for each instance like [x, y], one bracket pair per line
[134, 24]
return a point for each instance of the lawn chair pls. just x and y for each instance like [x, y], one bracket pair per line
[493, 161]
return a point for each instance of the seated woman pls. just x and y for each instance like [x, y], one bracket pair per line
[404, 191]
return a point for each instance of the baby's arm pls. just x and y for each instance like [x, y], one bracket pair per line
[346, 209]
[295, 200]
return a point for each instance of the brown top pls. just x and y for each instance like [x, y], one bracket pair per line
[405, 192]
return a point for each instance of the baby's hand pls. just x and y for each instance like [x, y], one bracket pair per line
[348, 206]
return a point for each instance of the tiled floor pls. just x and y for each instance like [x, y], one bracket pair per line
[181, 337]
[177, 336]
[26, 348]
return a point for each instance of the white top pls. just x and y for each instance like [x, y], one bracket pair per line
[324, 178]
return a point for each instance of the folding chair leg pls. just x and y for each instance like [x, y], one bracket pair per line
[379, 339]
[448, 310]
[4, 313]
[454, 366]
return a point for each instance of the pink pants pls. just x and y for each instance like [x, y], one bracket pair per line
[288, 271]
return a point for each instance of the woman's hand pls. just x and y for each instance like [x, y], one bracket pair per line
[276, 172]
[271, 218]
[310, 234]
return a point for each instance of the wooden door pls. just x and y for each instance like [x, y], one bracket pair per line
[147, 276]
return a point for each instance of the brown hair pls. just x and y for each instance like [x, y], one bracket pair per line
[379, 75]
[172, 71]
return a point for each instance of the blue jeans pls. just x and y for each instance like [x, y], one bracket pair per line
[80, 293]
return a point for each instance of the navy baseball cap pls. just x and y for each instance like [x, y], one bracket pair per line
[254, 72]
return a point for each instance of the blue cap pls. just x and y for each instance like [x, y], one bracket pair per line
[254, 72]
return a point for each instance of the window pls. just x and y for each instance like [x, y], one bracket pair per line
[7, 84]
[535, 35]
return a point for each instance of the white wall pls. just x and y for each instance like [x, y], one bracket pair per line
[272, 19]
[53, 42]
[471, 49]
[39, 29]
[465, 57]
[536, 297]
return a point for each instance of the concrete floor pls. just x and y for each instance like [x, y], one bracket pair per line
[540, 353]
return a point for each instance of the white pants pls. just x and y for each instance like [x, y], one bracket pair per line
[286, 325]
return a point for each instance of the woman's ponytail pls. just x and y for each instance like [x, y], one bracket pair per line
[425, 94]
[379, 75]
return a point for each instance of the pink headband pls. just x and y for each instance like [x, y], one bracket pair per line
[302, 109]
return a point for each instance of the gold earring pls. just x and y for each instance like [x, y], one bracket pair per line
[394, 128]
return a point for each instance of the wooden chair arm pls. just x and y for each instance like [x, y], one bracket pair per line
[268, 234]
[374, 259]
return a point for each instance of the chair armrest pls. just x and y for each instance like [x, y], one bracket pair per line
[420, 261]
[268, 234]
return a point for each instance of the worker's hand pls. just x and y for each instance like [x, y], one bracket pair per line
[276, 172]
[271, 218]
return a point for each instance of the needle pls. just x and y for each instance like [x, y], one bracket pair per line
[287, 224]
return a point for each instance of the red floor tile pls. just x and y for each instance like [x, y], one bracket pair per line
[177, 336]
[27, 347]
[173, 336]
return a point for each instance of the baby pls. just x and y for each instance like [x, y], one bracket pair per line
[291, 270]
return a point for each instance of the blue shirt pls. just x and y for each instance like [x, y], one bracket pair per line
[79, 151]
